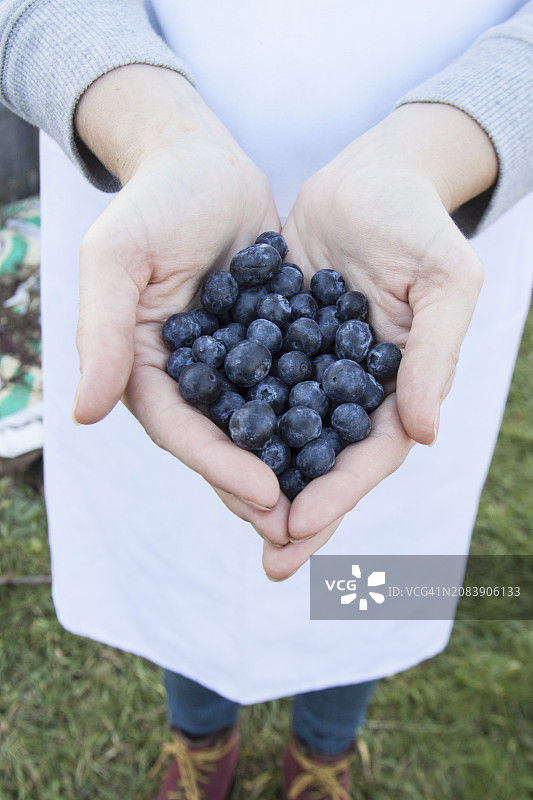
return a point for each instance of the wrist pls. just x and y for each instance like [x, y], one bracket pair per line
[132, 111]
[443, 144]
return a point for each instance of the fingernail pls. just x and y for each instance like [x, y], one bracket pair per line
[264, 538]
[74, 406]
[302, 538]
[435, 426]
[254, 505]
[280, 580]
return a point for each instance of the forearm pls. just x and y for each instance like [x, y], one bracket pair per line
[492, 82]
[440, 142]
[51, 51]
[133, 111]
[130, 111]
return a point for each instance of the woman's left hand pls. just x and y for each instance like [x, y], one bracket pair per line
[379, 214]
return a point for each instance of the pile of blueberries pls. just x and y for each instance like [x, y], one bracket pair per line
[291, 374]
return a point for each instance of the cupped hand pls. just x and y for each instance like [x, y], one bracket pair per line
[189, 201]
[383, 224]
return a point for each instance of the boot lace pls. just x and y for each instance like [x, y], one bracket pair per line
[320, 781]
[195, 765]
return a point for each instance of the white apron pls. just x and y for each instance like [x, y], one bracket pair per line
[145, 557]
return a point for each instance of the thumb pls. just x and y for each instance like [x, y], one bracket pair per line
[105, 333]
[440, 321]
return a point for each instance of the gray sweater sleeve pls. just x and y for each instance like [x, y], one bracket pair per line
[52, 50]
[493, 83]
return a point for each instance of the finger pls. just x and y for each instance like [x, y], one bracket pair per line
[280, 563]
[358, 469]
[185, 432]
[441, 316]
[271, 525]
[105, 333]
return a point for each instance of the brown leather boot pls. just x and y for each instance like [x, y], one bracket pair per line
[308, 775]
[201, 769]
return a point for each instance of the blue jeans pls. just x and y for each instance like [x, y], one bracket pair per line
[326, 720]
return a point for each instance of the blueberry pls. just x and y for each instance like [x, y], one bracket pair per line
[252, 425]
[247, 363]
[225, 318]
[353, 340]
[327, 286]
[221, 410]
[310, 395]
[299, 425]
[293, 367]
[351, 422]
[315, 458]
[226, 384]
[304, 335]
[274, 307]
[344, 381]
[352, 305]
[180, 330]
[219, 292]
[200, 384]
[320, 365]
[383, 360]
[292, 482]
[273, 391]
[275, 240]
[304, 305]
[178, 360]
[231, 334]
[276, 454]
[209, 350]
[288, 281]
[373, 395]
[328, 322]
[326, 422]
[208, 322]
[274, 369]
[332, 437]
[244, 310]
[255, 265]
[266, 332]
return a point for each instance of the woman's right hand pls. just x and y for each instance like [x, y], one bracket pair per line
[190, 199]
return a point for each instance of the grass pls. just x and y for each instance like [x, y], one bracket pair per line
[80, 720]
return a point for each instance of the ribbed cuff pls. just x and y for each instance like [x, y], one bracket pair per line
[52, 50]
[493, 83]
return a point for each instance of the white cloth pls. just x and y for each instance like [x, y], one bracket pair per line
[145, 556]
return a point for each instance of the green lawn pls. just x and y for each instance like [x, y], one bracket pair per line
[79, 720]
